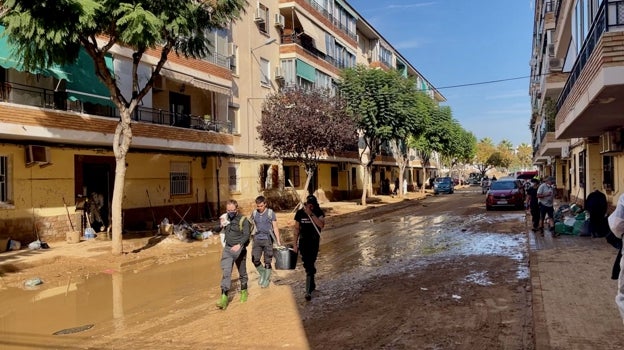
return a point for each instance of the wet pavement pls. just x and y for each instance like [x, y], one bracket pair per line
[572, 295]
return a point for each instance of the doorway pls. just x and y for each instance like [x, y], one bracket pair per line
[95, 178]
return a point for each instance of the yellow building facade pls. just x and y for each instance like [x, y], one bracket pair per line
[195, 143]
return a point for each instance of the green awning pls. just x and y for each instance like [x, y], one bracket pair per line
[83, 85]
[306, 71]
[11, 59]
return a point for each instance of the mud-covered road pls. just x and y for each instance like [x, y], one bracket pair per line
[439, 273]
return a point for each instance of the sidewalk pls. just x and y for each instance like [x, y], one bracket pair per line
[573, 295]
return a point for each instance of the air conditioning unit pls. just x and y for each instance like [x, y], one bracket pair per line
[342, 166]
[37, 155]
[565, 152]
[555, 64]
[232, 49]
[611, 142]
[551, 50]
[278, 73]
[259, 15]
[279, 20]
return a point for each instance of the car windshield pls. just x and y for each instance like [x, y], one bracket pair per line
[503, 185]
[444, 180]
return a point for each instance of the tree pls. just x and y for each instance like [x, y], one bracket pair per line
[415, 116]
[305, 125]
[485, 148]
[524, 156]
[49, 32]
[375, 99]
[434, 137]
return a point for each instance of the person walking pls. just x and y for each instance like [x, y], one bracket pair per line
[546, 198]
[616, 224]
[533, 204]
[309, 221]
[236, 238]
[266, 228]
[596, 205]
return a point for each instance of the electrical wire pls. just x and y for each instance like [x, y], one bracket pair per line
[482, 82]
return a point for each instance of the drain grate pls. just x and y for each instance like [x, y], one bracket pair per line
[73, 330]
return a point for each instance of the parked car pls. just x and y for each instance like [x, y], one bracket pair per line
[505, 192]
[443, 185]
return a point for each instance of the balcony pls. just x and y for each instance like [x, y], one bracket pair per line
[592, 99]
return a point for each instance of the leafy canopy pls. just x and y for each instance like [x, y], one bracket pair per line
[305, 125]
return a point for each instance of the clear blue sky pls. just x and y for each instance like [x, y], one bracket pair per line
[457, 42]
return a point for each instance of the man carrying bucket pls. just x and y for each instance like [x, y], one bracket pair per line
[307, 236]
[265, 222]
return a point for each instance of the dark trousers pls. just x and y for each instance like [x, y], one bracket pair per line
[228, 259]
[535, 217]
[546, 211]
[596, 224]
[309, 252]
[261, 246]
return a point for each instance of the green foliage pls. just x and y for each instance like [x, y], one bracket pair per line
[50, 32]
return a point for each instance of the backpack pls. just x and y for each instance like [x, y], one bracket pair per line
[253, 218]
[252, 225]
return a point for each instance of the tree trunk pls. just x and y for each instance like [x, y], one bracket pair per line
[366, 182]
[121, 144]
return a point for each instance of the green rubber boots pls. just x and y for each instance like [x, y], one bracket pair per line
[223, 302]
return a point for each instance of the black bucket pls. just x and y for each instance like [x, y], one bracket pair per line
[285, 259]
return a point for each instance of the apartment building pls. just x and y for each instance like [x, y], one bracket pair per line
[195, 143]
[577, 85]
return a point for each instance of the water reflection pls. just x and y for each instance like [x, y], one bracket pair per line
[29, 318]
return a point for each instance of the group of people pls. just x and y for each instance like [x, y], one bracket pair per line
[540, 199]
[237, 229]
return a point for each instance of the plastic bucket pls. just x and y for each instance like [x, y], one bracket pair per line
[285, 259]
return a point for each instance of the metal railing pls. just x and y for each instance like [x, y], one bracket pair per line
[601, 25]
[332, 19]
[46, 98]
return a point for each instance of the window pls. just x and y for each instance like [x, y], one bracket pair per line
[574, 167]
[261, 18]
[334, 176]
[180, 178]
[232, 117]
[234, 177]
[581, 169]
[269, 176]
[5, 189]
[607, 173]
[291, 173]
[265, 69]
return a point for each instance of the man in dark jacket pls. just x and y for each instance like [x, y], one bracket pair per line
[532, 204]
[596, 205]
[234, 252]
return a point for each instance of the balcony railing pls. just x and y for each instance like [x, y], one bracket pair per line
[294, 39]
[332, 19]
[604, 21]
[40, 97]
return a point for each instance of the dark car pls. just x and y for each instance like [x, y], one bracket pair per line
[443, 185]
[505, 193]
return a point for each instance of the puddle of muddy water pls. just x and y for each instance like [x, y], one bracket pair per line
[29, 318]
[349, 256]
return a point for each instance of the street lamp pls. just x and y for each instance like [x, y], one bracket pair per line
[267, 42]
